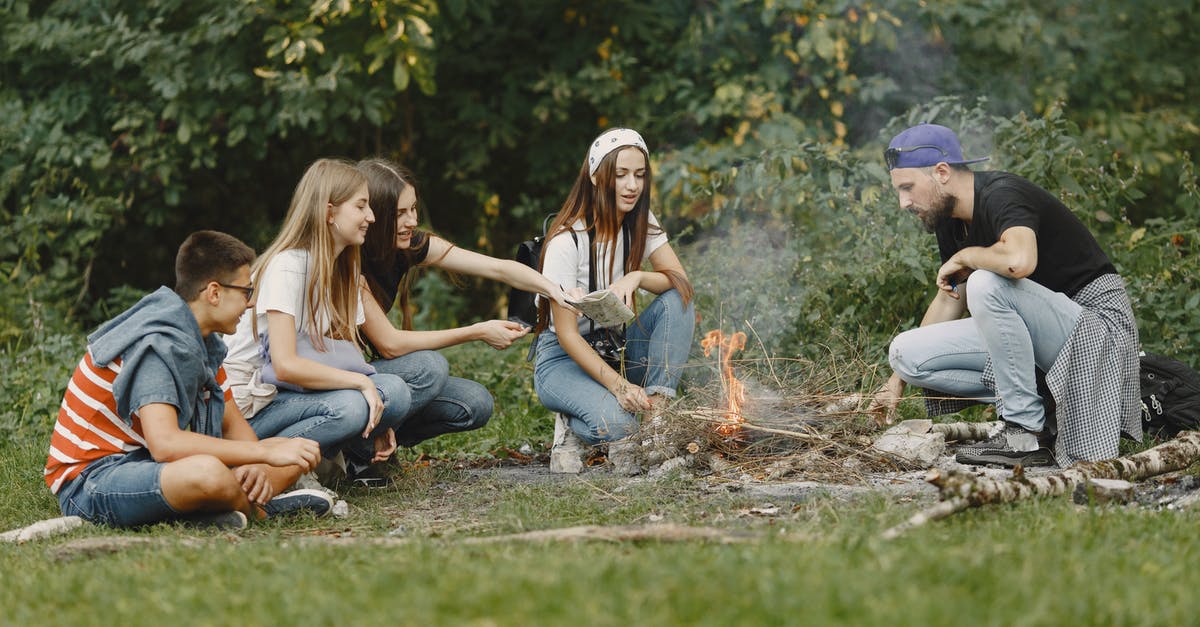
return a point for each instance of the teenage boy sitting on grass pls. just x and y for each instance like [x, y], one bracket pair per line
[146, 431]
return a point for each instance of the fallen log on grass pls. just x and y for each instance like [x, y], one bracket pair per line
[85, 548]
[42, 529]
[619, 533]
[964, 431]
[960, 490]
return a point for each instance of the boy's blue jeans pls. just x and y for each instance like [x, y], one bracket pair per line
[118, 490]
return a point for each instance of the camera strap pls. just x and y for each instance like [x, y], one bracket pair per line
[592, 267]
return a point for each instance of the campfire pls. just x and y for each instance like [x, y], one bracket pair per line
[769, 418]
[732, 390]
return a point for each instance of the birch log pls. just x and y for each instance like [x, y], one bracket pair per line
[963, 431]
[960, 490]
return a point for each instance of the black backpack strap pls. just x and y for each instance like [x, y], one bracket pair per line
[625, 236]
[592, 263]
[591, 271]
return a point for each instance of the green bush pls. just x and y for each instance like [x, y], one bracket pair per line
[808, 241]
[36, 375]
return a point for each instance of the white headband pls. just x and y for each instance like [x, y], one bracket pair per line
[609, 141]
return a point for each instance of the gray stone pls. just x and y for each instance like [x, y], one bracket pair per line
[910, 444]
[919, 426]
[1103, 491]
[669, 465]
[1187, 501]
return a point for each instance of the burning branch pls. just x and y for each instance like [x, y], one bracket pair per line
[723, 420]
[732, 389]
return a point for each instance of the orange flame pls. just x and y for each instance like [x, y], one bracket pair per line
[735, 392]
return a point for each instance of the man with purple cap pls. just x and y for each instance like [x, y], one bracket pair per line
[1045, 303]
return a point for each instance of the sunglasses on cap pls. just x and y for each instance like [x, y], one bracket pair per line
[891, 156]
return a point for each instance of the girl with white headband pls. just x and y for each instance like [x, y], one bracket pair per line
[606, 222]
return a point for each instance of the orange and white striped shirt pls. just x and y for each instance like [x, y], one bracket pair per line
[88, 426]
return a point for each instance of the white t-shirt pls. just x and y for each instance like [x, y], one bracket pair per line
[568, 262]
[280, 288]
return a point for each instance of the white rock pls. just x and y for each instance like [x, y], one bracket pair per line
[669, 465]
[916, 450]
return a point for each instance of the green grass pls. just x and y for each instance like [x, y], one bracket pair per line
[403, 556]
[820, 562]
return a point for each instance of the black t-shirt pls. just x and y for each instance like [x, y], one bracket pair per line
[1068, 255]
[384, 279]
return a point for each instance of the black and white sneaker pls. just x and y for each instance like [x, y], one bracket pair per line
[315, 502]
[367, 476]
[1013, 446]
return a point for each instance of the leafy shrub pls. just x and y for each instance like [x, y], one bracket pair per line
[807, 241]
[36, 375]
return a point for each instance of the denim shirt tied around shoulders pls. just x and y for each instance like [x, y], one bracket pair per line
[184, 374]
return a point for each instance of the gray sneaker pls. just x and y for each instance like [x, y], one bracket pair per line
[1013, 446]
[230, 521]
[315, 502]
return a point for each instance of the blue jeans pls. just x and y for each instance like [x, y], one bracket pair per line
[1018, 323]
[335, 418]
[118, 490]
[440, 403]
[656, 348]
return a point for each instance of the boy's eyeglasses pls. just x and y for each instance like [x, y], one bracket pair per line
[891, 156]
[248, 291]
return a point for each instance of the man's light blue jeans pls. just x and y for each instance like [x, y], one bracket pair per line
[656, 348]
[1018, 323]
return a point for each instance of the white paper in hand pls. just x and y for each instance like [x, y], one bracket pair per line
[604, 308]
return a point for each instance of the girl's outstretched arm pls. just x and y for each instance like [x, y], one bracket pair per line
[392, 342]
[454, 259]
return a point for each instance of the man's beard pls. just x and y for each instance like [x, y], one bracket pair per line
[939, 212]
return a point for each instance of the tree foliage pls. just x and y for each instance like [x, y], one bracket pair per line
[128, 124]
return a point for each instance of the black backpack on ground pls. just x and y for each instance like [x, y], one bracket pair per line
[1170, 395]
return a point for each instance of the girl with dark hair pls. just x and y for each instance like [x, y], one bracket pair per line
[600, 239]
[394, 248]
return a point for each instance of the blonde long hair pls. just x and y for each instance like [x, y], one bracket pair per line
[332, 282]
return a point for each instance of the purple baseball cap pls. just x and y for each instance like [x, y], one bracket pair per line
[924, 145]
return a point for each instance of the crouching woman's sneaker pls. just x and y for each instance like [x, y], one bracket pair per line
[318, 503]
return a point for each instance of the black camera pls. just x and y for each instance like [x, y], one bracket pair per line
[609, 344]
